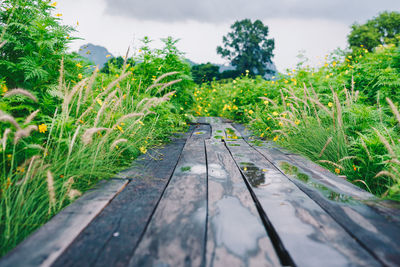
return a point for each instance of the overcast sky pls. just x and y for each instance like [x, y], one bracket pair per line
[314, 26]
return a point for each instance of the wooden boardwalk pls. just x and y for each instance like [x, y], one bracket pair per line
[217, 197]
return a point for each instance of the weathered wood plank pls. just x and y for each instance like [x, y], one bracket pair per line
[110, 239]
[175, 236]
[297, 218]
[236, 235]
[375, 225]
[44, 246]
[207, 120]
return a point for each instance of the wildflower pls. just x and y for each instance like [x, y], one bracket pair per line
[77, 23]
[140, 122]
[276, 138]
[4, 88]
[288, 104]
[143, 150]
[354, 168]
[8, 182]
[297, 122]
[330, 104]
[79, 65]
[20, 169]
[120, 129]
[334, 63]
[108, 56]
[80, 76]
[262, 135]
[58, 15]
[9, 156]
[98, 100]
[251, 112]
[266, 102]
[245, 168]
[275, 113]
[42, 128]
[337, 170]
[280, 123]
[54, 4]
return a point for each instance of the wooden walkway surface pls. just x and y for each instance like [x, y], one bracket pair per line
[217, 197]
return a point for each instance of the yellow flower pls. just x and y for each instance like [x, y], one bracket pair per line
[297, 122]
[4, 88]
[108, 56]
[80, 76]
[141, 123]
[280, 123]
[275, 113]
[58, 15]
[20, 169]
[337, 170]
[251, 112]
[276, 138]
[143, 149]
[120, 129]
[98, 100]
[334, 63]
[42, 128]
[330, 104]
[54, 4]
[79, 65]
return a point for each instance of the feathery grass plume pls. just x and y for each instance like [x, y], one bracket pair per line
[283, 99]
[364, 145]
[71, 145]
[69, 96]
[117, 142]
[51, 190]
[90, 84]
[4, 139]
[23, 92]
[386, 173]
[2, 44]
[31, 161]
[269, 100]
[78, 104]
[103, 107]
[31, 117]
[395, 170]
[113, 84]
[34, 146]
[395, 161]
[168, 84]
[331, 163]
[23, 133]
[87, 137]
[73, 193]
[319, 104]
[348, 100]
[125, 59]
[10, 119]
[338, 110]
[394, 109]
[390, 136]
[87, 111]
[363, 182]
[385, 143]
[325, 146]
[293, 96]
[347, 158]
[287, 120]
[130, 115]
[164, 76]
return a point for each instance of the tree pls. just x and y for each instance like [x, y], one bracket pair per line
[248, 48]
[205, 73]
[379, 30]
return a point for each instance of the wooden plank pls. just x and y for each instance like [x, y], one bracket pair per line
[218, 131]
[296, 218]
[44, 246]
[375, 224]
[236, 235]
[112, 236]
[207, 120]
[175, 235]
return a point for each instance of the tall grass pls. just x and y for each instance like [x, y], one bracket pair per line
[91, 135]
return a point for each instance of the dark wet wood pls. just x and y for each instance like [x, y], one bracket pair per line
[374, 226]
[44, 246]
[296, 218]
[111, 238]
[176, 233]
[236, 235]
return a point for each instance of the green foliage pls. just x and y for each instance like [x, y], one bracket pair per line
[381, 30]
[330, 114]
[205, 73]
[248, 48]
[35, 44]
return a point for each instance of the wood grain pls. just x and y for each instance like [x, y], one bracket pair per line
[176, 233]
[236, 235]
